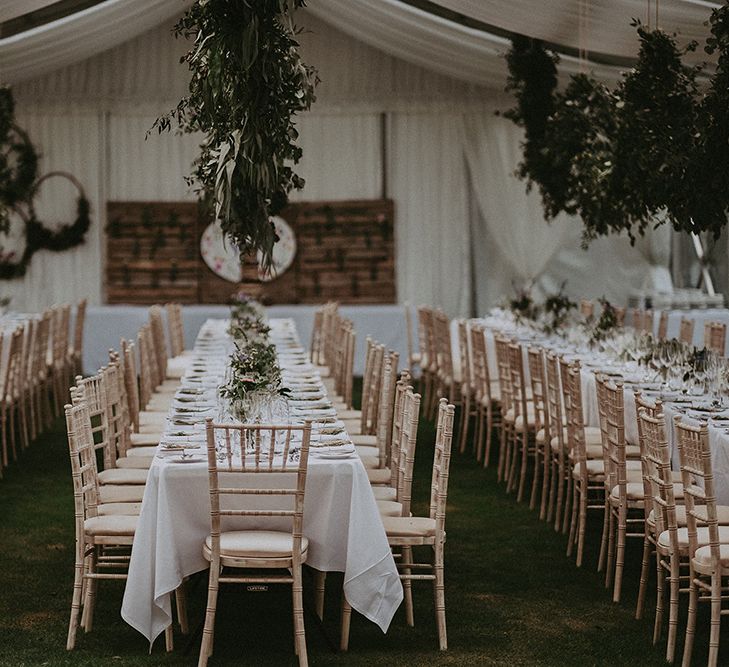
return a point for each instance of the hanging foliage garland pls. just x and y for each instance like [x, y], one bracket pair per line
[624, 160]
[19, 186]
[248, 83]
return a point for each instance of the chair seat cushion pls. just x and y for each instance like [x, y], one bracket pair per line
[389, 508]
[139, 462]
[122, 493]
[722, 515]
[597, 467]
[255, 544]
[112, 509]
[414, 526]
[384, 493]
[151, 439]
[359, 439]
[379, 475]
[123, 476]
[144, 452]
[702, 535]
[702, 558]
[111, 525]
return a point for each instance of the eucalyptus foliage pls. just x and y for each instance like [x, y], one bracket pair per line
[653, 149]
[248, 83]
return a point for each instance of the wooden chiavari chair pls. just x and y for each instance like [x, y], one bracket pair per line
[524, 423]
[686, 332]
[663, 325]
[256, 549]
[406, 532]
[363, 422]
[176, 330]
[624, 497]
[486, 396]
[542, 450]
[587, 483]
[708, 541]
[507, 405]
[715, 337]
[103, 540]
[559, 470]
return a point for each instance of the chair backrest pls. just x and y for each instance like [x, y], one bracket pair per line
[347, 372]
[504, 370]
[401, 387]
[587, 308]
[371, 382]
[715, 337]
[13, 382]
[572, 392]
[40, 350]
[465, 355]
[480, 364]
[330, 319]
[610, 401]
[647, 324]
[412, 356]
[147, 366]
[78, 327]
[658, 467]
[663, 325]
[426, 335]
[538, 379]
[554, 406]
[444, 348]
[159, 344]
[61, 320]
[518, 383]
[441, 466]
[241, 449]
[92, 391]
[619, 315]
[176, 328]
[408, 443]
[386, 407]
[698, 486]
[117, 415]
[686, 332]
[131, 381]
[83, 465]
[30, 336]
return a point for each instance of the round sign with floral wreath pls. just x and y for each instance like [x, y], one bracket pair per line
[222, 256]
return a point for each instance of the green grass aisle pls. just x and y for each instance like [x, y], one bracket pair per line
[513, 598]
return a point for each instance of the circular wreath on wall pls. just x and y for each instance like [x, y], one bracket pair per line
[19, 187]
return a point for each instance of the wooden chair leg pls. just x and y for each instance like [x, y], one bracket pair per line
[465, 418]
[688, 645]
[610, 569]
[673, 589]
[660, 580]
[480, 424]
[715, 619]
[439, 593]
[206, 647]
[604, 537]
[169, 639]
[536, 478]
[298, 604]
[407, 559]
[181, 604]
[87, 616]
[346, 619]
[524, 465]
[546, 480]
[582, 525]
[645, 564]
[75, 603]
[620, 556]
[573, 521]
[568, 500]
[320, 585]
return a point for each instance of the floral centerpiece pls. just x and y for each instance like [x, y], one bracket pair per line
[523, 306]
[557, 308]
[605, 325]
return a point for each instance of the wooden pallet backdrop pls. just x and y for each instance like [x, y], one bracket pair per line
[345, 251]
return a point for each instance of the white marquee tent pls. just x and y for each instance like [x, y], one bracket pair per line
[406, 108]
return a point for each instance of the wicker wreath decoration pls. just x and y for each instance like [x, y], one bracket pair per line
[19, 186]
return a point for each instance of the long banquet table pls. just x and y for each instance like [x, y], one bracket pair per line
[673, 404]
[341, 521]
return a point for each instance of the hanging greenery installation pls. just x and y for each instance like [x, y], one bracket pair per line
[248, 83]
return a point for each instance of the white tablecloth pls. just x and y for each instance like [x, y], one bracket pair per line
[341, 521]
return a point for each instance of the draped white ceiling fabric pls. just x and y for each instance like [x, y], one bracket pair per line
[514, 217]
[608, 29]
[80, 35]
[11, 9]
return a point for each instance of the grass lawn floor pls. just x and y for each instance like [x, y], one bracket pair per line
[512, 596]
